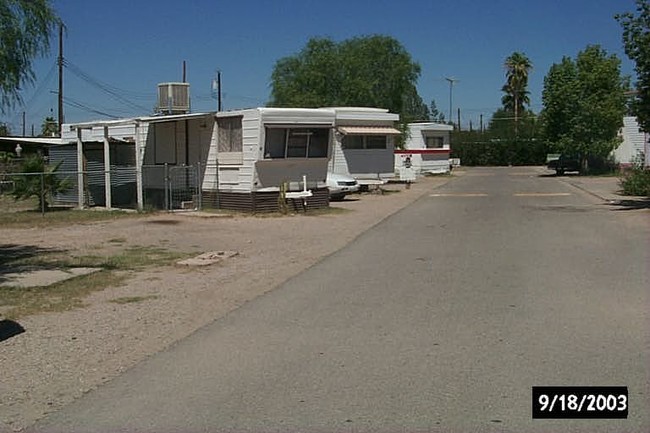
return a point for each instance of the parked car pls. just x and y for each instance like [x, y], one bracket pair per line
[564, 163]
[341, 185]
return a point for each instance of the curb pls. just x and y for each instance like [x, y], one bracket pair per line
[594, 194]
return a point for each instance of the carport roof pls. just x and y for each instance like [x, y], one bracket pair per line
[146, 119]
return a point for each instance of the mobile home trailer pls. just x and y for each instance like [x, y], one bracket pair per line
[426, 149]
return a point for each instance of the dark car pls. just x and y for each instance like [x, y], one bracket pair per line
[564, 163]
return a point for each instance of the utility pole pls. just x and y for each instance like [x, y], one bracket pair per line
[451, 81]
[216, 90]
[481, 123]
[23, 124]
[459, 119]
[219, 107]
[60, 62]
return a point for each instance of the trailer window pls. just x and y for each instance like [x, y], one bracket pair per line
[365, 141]
[376, 142]
[434, 142]
[318, 143]
[353, 142]
[230, 134]
[296, 143]
[275, 143]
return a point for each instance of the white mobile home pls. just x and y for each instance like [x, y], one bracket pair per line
[255, 153]
[633, 143]
[242, 159]
[426, 149]
[364, 143]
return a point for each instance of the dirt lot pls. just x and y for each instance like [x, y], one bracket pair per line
[61, 356]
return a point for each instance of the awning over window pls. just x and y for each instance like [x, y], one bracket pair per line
[368, 130]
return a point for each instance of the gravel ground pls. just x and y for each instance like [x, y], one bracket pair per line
[62, 356]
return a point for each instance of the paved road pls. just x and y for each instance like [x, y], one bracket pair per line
[441, 318]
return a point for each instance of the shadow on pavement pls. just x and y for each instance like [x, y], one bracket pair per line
[13, 257]
[559, 175]
[631, 204]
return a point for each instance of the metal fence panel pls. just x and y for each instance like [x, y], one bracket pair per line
[183, 187]
[164, 187]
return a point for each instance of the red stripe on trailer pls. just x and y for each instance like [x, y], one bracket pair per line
[421, 151]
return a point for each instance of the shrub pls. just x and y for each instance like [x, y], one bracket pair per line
[37, 179]
[636, 181]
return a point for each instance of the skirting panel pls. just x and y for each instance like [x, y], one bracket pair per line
[262, 201]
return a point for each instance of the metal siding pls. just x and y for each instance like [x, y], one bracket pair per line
[68, 169]
[292, 116]
[272, 173]
[338, 162]
[370, 163]
[633, 141]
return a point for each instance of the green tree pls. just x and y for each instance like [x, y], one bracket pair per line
[370, 71]
[435, 114]
[584, 104]
[516, 96]
[39, 180]
[24, 35]
[517, 139]
[636, 38]
[4, 130]
[49, 127]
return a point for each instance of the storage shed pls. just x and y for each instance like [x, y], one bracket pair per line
[426, 149]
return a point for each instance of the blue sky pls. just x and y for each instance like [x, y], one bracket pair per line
[131, 45]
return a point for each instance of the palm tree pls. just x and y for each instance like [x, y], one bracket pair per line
[518, 67]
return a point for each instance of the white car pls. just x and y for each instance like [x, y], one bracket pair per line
[341, 185]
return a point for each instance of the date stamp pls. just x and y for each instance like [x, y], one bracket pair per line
[568, 402]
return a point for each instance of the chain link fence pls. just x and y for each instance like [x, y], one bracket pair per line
[171, 187]
[164, 187]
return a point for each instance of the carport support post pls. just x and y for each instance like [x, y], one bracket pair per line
[80, 170]
[138, 167]
[107, 170]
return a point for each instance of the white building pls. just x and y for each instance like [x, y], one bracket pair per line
[242, 159]
[427, 148]
[364, 144]
[634, 143]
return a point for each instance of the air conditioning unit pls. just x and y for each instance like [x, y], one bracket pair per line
[173, 98]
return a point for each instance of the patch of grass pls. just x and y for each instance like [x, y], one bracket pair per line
[62, 296]
[69, 294]
[53, 218]
[223, 213]
[132, 299]
[117, 241]
[10, 205]
[140, 257]
[331, 210]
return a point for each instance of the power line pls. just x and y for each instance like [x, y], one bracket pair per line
[71, 102]
[106, 88]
